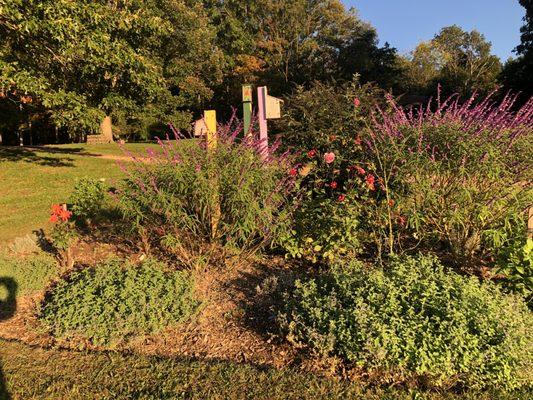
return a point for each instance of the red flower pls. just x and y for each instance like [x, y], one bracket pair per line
[341, 197]
[333, 185]
[356, 102]
[311, 153]
[56, 209]
[59, 212]
[329, 158]
[370, 181]
[293, 172]
[360, 170]
[358, 140]
[65, 215]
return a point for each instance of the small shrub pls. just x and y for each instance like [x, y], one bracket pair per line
[87, 199]
[116, 300]
[517, 268]
[188, 198]
[322, 126]
[411, 319]
[31, 273]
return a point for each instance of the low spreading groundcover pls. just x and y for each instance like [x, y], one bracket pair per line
[116, 299]
[413, 320]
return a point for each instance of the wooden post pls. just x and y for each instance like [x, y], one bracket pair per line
[530, 223]
[263, 127]
[247, 108]
[210, 120]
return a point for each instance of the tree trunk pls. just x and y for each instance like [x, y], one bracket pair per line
[106, 129]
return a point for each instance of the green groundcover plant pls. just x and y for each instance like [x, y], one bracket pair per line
[411, 320]
[115, 300]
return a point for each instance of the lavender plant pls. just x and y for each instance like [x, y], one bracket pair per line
[188, 200]
[458, 172]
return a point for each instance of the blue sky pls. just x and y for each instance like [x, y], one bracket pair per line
[404, 23]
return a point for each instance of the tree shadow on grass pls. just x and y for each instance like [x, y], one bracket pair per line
[35, 155]
[8, 306]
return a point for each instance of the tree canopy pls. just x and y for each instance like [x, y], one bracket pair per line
[460, 61]
[518, 72]
[69, 63]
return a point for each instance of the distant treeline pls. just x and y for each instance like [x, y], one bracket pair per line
[66, 64]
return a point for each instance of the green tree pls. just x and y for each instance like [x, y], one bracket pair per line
[461, 61]
[517, 72]
[78, 61]
[282, 44]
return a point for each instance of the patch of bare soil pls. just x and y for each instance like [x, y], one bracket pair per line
[235, 322]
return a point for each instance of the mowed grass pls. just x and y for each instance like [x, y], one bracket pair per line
[35, 373]
[32, 179]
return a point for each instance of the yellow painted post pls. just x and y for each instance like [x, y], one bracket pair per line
[210, 120]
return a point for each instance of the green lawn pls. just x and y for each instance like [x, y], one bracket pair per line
[35, 373]
[32, 179]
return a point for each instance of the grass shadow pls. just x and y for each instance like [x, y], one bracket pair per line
[38, 155]
[8, 307]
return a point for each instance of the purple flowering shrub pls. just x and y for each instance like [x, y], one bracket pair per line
[189, 200]
[458, 173]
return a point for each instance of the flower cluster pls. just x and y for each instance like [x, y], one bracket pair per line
[59, 213]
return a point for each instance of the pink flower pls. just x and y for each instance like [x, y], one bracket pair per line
[329, 158]
[360, 170]
[356, 102]
[358, 140]
[333, 185]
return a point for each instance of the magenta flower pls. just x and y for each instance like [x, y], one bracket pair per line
[329, 158]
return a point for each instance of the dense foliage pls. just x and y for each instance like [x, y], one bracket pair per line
[70, 63]
[516, 265]
[65, 65]
[188, 197]
[413, 320]
[115, 300]
[461, 61]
